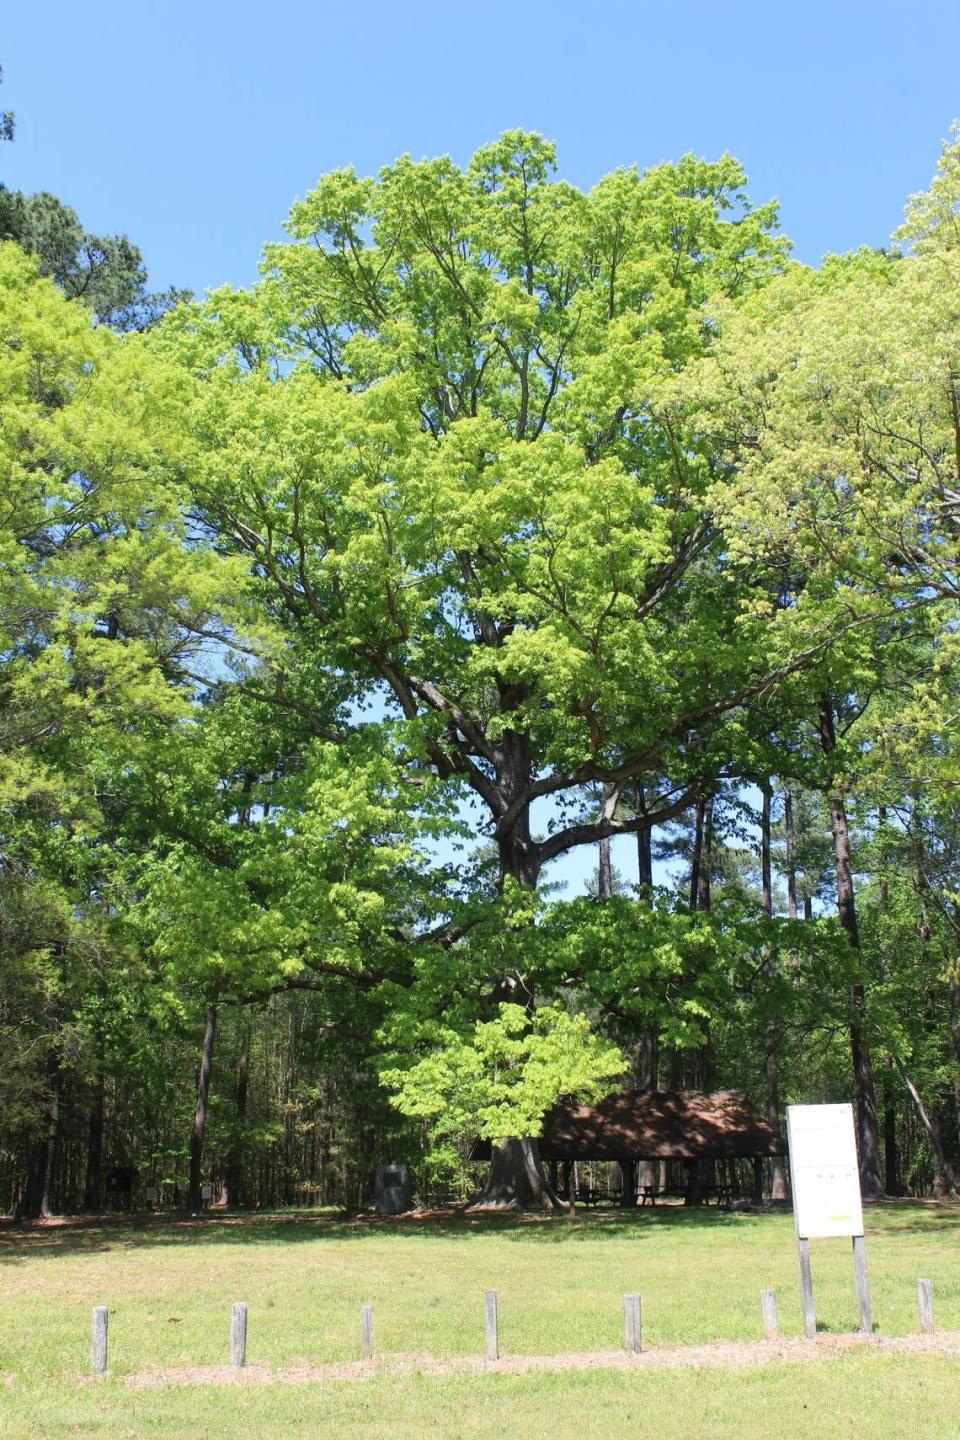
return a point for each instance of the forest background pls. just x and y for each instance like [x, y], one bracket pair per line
[503, 525]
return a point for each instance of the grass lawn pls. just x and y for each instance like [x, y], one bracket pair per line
[169, 1286]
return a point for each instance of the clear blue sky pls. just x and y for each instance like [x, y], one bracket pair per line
[192, 126]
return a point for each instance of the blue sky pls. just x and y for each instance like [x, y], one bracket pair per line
[193, 126]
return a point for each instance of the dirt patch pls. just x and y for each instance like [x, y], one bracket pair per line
[720, 1355]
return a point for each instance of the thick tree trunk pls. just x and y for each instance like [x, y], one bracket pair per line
[517, 1180]
[778, 1179]
[645, 1062]
[200, 1116]
[868, 1133]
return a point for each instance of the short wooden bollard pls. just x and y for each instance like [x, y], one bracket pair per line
[98, 1339]
[863, 1285]
[493, 1333]
[768, 1314]
[238, 1334]
[925, 1299]
[366, 1332]
[632, 1340]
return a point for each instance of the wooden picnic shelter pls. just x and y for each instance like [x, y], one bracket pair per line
[660, 1125]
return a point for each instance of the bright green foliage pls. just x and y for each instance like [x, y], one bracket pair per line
[433, 433]
[502, 1079]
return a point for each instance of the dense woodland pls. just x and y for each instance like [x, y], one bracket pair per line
[497, 520]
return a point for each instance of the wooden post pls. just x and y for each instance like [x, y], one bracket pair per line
[806, 1289]
[925, 1298]
[863, 1286]
[631, 1324]
[493, 1335]
[366, 1332]
[768, 1314]
[98, 1339]
[238, 1334]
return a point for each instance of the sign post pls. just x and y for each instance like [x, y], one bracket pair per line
[825, 1180]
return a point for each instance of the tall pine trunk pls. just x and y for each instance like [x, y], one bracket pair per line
[868, 1133]
[200, 1115]
[644, 847]
[778, 1181]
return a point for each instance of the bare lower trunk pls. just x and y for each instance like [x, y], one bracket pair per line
[868, 1132]
[606, 870]
[778, 1179]
[644, 848]
[791, 853]
[200, 1116]
[517, 1180]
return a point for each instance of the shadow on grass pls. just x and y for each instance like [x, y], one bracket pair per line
[86, 1235]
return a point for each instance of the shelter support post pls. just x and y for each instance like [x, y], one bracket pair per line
[757, 1180]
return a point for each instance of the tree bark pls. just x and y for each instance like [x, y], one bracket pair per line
[868, 1133]
[644, 847]
[517, 1180]
[778, 1179]
[791, 853]
[200, 1116]
[605, 870]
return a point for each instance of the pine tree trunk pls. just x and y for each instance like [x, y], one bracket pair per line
[696, 858]
[791, 855]
[778, 1180]
[868, 1133]
[200, 1116]
[644, 847]
[605, 870]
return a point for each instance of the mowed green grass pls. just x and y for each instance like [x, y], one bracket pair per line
[169, 1287]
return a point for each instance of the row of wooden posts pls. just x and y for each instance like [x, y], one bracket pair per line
[632, 1333]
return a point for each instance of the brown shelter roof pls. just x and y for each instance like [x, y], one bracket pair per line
[655, 1125]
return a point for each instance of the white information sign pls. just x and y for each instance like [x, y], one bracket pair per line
[823, 1171]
